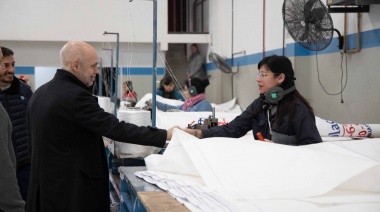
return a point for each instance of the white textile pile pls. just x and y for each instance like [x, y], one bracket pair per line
[106, 104]
[128, 150]
[226, 174]
[226, 107]
[148, 96]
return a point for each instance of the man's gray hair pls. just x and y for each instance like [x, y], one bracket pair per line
[71, 51]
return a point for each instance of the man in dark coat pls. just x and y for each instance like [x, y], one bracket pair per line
[69, 165]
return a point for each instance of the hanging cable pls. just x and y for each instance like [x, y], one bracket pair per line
[341, 66]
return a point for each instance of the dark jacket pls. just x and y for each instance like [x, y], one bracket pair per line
[10, 197]
[15, 101]
[170, 95]
[69, 165]
[302, 128]
[196, 67]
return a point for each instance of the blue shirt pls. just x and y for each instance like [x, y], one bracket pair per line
[202, 105]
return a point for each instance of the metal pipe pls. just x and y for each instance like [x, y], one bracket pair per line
[117, 68]
[111, 70]
[263, 54]
[232, 48]
[100, 81]
[358, 47]
[241, 52]
[154, 63]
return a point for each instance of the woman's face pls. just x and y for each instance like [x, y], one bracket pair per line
[169, 88]
[186, 93]
[125, 87]
[266, 80]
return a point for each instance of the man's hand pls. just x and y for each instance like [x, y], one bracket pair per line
[170, 132]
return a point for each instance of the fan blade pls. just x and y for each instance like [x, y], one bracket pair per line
[308, 7]
[220, 63]
[305, 33]
[317, 15]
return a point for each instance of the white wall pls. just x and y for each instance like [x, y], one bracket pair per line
[361, 94]
[37, 31]
[46, 20]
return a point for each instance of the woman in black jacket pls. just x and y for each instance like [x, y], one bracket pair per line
[280, 114]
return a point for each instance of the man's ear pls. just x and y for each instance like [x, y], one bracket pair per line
[75, 65]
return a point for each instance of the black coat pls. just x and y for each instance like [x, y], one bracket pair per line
[302, 129]
[69, 165]
[15, 100]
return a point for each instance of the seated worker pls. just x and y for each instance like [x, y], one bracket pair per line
[129, 94]
[167, 89]
[195, 97]
[280, 113]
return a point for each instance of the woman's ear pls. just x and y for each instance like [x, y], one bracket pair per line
[281, 78]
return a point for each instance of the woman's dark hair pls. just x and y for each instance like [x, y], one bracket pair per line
[200, 85]
[278, 65]
[166, 80]
[129, 85]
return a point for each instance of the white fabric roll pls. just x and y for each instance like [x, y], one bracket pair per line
[329, 128]
[140, 118]
[104, 102]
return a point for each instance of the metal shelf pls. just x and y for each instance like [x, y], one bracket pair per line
[349, 6]
[352, 2]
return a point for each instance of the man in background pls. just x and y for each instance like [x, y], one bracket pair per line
[14, 96]
[196, 66]
[10, 198]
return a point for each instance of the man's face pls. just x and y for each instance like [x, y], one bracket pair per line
[8, 70]
[193, 49]
[89, 69]
[1, 64]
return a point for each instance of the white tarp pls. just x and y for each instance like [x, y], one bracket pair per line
[250, 173]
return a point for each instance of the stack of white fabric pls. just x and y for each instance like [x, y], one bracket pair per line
[105, 103]
[226, 107]
[226, 174]
[148, 96]
[125, 150]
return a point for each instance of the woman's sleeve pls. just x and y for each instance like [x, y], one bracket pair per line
[236, 128]
[159, 92]
[165, 107]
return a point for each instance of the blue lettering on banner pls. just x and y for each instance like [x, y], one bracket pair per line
[369, 130]
[335, 127]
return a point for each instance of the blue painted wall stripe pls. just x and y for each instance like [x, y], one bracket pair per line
[131, 71]
[142, 71]
[369, 39]
[24, 70]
